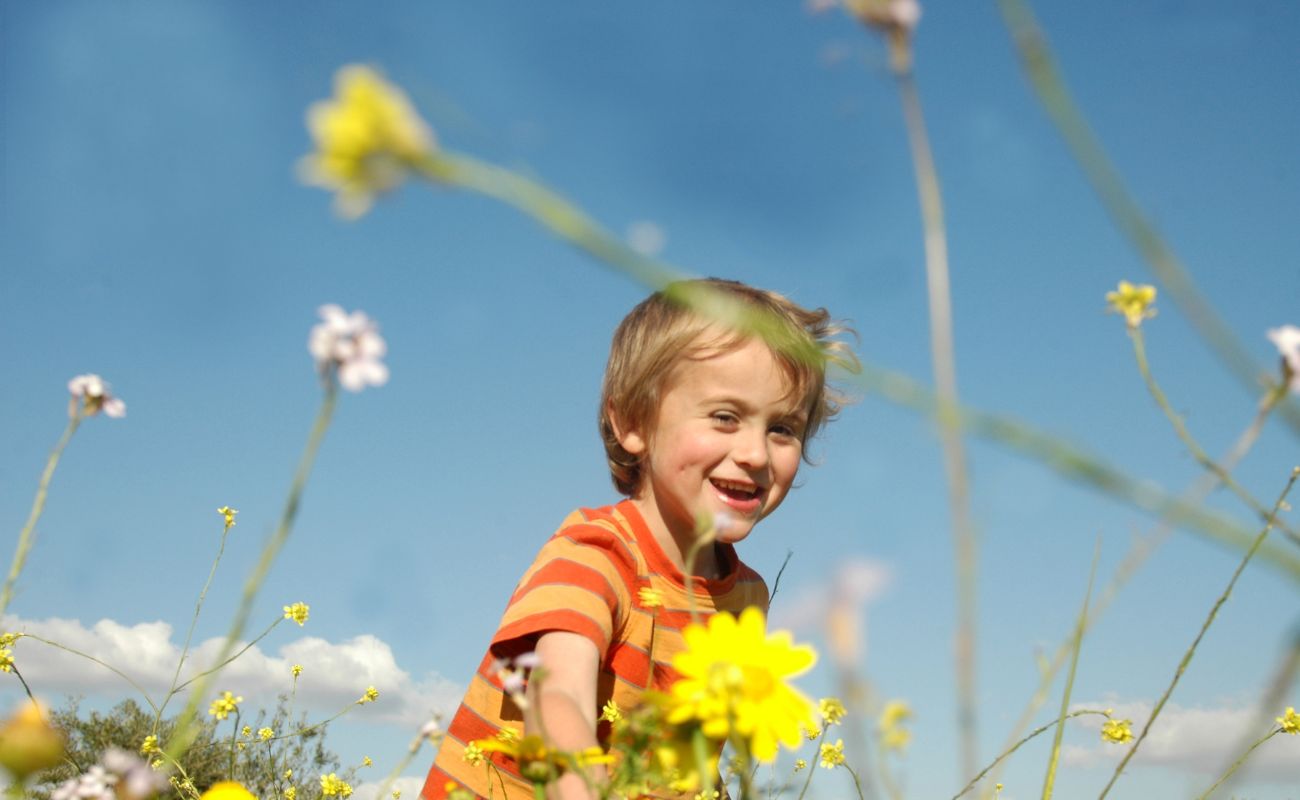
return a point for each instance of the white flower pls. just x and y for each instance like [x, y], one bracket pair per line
[1287, 339]
[350, 342]
[528, 661]
[94, 395]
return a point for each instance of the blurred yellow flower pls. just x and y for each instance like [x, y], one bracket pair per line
[650, 598]
[734, 675]
[367, 137]
[291, 793]
[229, 513]
[247, 730]
[28, 742]
[298, 612]
[371, 695]
[296, 669]
[7, 639]
[288, 774]
[332, 785]
[6, 659]
[831, 709]
[224, 705]
[473, 754]
[1116, 731]
[800, 764]
[227, 790]
[149, 746]
[832, 755]
[508, 734]
[611, 712]
[265, 734]
[1290, 722]
[365, 761]
[893, 736]
[397, 794]
[1133, 301]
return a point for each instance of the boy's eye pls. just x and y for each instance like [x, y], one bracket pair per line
[784, 429]
[725, 417]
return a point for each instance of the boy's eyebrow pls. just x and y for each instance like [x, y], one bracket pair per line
[795, 413]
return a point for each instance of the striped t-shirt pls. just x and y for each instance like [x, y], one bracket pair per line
[587, 579]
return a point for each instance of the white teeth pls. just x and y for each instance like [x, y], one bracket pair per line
[735, 486]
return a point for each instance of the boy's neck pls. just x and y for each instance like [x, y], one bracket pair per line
[677, 546]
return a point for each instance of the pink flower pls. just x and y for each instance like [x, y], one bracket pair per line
[351, 344]
[1287, 339]
[90, 394]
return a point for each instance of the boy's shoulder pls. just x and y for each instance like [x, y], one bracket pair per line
[610, 528]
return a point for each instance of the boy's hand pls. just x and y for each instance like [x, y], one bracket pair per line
[562, 705]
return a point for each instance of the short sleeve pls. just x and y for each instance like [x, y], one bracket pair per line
[579, 583]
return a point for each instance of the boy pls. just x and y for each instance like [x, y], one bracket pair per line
[700, 422]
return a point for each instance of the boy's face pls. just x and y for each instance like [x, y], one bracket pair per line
[727, 439]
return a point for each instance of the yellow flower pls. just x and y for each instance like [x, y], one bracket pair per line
[1116, 731]
[291, 793]
[371, 695]
[800, 764]
[507, 734]
[365, 761]
[224, 705]
[149, 746]
[288, 774]
[1133, 301]
[832, 755]
[650, 598]
[296, 669]
[812, 734]
[28, 742]
[397, 794]
[611, 712]
[246, 731]
[734, 675]
[7, 639]
[473, 754]
[367, 138]
[227, 790]
[297, 612]
[229, 514]
[265, 734]
[1290, 722]
[6, 659]
[893, 736]
[332, 785]
[831, 709]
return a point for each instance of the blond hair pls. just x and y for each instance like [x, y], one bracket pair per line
[674, 324]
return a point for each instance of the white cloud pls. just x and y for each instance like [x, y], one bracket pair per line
[408, 785]
[334, 674]
[1190, 739]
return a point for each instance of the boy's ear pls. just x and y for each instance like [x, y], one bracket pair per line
[631, 441]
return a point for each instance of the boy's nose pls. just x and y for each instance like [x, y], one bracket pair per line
[750, 451]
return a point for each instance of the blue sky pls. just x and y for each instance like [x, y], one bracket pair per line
[152, 230]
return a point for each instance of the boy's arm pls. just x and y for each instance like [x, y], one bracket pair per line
[562, 705]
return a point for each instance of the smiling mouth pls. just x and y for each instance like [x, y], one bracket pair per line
[736, 490]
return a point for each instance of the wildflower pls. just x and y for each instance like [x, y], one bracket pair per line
[351, 344]
[6, 659]
[229, 514]
[1287, 339]
[296, 669]
[431, 730]
[473, 754]
[800, 764]
[7, 639]
[265, 734]
[247, 730]
[508, 734]
[1116, 731]
[650, 598]
[90, 395]
[288, 774]
[1133, 301]
[224, 705]
[893, 736]
[297, 612]
[28, 742]
[831, 709]
[397, 794]
[366, 762]
[150, 745]
[1290, 722]
[132, 777]
[832, 755]
[291, 793]
[713, 795]
[240, 746]
[367, 139]
[332, 785]
[371, 695]
[227, 790]
[611, 712]
[734, 676]
[812, 734]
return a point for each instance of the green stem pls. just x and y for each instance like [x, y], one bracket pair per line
[965, 543]
[186, 727]
[1238, 763]
[1185, 436]
[817, 749]
[26, 537]
[1040, 66]
[189, 635]
[1209, 620]
[857, 782]
[103, 664]
[1013, 748]
[1050, 780]
[221, 665]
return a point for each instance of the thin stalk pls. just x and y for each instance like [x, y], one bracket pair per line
[1209, 620]
[817, 752]
[186, 727]
[1050, 780]
[1013, 748]
[1047, 81]
[1238, 763]
[1137, 555]
[857, 784]
[101, 663]
[1185, 436]
[776, 584]
[27, 535]
[189, 635]
[220, 665]
[943, 360]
